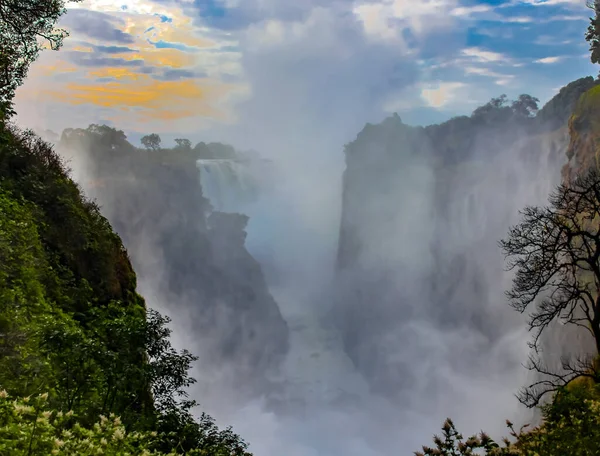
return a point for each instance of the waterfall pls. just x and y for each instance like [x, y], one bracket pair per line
[232, 184]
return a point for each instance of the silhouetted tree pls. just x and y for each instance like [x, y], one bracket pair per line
[151, 141]
[494, 111]
[183, 143]
[525, 105]
[555, 251]
[26, 27]
[593, 32]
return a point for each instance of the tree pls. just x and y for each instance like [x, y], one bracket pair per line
[496, 110]
[525, 105]
[555, 251]
[452, 443]
[593, 32]
[184, 144]
[151, 141]
[570, 426]
[26, 27]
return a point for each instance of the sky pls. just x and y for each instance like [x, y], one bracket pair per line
[296, 80]
[239, 69]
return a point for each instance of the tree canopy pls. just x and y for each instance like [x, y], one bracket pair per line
[151, 141]
[26, 27]
[592, 35]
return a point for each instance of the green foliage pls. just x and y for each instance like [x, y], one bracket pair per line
[592, 35]
[72, 322]
[30, 427]
[556, 113]
[570, 426]
[452, 443]
[26, 27]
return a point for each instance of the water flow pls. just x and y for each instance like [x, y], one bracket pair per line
[229, 184]
[325, 406]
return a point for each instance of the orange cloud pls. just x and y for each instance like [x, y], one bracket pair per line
[81, 48]
[49, 69]
[117, 73]
[186, 37]
[160, 57]
[167, 100]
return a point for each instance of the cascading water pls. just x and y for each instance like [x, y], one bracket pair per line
[230, 184]
[435, 347]
[265, 192]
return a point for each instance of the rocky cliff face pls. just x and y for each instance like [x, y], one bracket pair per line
[191, 261]
[584, 129]
[423, 209]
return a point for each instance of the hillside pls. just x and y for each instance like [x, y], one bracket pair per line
[73, 325]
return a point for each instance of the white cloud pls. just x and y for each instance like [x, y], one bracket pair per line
[549, 60]
[482, 55]
[500, 78]
[570, 3]
[467, 11]
[518, 19]
[386, 19]
[441, 94]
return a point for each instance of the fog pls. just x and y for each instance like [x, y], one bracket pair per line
[417, 327]
[458, 357]
[420, 355]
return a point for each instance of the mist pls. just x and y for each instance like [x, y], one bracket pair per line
[381, 258]
[416, 359]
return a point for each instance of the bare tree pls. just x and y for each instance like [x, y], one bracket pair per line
[555, 251]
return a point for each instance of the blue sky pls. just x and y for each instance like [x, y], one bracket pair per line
[241, 68]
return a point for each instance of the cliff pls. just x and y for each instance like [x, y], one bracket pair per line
[77, 341]
[584, 129]
[423, 209]
[190, 258]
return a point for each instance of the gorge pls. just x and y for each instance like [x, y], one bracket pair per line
[384, 331]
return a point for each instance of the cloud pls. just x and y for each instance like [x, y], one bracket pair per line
[177, 74]
[441, 94]
[390, 19]
[295, 80]
[158, 53]
[501, 78]
[87, 59]
[113, 49]
[575, 3]
[466, 11]
[548, 60]
[482, 55]
[96, 25]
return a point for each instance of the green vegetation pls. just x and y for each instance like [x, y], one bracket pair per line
[593, 32]
[72, 323]
[74, 333]
[26, 27]
[28, 426]
[78, 345]
[555, 251]
[570, 426]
